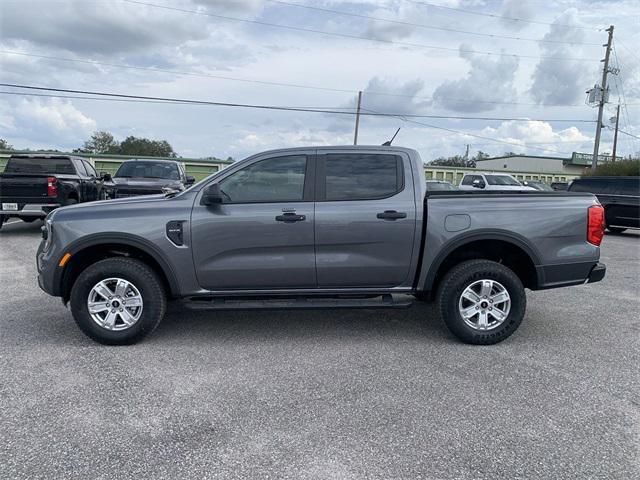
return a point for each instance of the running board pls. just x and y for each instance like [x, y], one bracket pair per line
[275, 303]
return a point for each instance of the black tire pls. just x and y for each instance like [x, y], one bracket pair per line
[616, 230]
[2, 220]
[28, 219]
[464, 275]
[131, 270]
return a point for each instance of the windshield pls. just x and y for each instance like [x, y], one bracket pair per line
[502, 180]
[151, 169]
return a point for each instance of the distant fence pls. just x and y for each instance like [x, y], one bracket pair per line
[201, 169]
[455, 174]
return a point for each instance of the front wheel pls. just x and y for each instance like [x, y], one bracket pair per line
[481, 302]
[118, 301]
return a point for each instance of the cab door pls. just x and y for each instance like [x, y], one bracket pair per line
[365, 220]
[261, 236]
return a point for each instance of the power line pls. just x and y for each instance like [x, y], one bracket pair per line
[335, 110]
[357, 37]
[430, 27]
[459, 132]
[626, 133]
[499, 17]
[267, 107]
[271, 83]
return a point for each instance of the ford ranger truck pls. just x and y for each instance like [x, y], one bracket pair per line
[327, 227]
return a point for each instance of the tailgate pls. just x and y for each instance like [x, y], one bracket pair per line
[22, 188]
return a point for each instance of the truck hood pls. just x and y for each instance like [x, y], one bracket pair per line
[145, 183]
[101, 204]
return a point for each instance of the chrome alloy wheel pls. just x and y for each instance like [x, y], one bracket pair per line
[484, 304]
[115, 304]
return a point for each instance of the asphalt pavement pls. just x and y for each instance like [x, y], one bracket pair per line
[323, 394]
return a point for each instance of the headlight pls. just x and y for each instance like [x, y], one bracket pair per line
[47, 234]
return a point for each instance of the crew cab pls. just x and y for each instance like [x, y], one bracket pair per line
[33, 185]
[491, 181]
[148, 177]
[326, 227]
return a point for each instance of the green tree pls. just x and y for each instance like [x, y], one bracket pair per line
[100, 142]
[145, 147]
[4, 145]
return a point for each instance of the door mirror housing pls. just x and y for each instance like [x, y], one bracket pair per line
[105, 176]
[212, 195]
[478, 183]
[190, 180]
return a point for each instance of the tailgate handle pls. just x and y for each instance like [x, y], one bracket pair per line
[290, 217]
[391, 215]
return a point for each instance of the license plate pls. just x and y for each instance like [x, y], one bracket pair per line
[10, 206]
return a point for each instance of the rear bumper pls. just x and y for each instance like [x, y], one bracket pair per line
[597, 273]
[32, 210]
[567, 274]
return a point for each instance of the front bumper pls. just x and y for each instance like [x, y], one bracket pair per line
[597, 273]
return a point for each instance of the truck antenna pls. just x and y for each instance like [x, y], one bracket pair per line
[388, 142]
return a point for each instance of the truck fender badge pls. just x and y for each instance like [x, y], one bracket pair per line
[175, 232]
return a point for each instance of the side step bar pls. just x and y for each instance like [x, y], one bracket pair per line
[289, 303]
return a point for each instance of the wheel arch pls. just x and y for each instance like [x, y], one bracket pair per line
[99, 246]
[505, 247]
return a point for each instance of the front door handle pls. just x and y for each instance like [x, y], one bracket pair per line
[290, 217]
[391, 215]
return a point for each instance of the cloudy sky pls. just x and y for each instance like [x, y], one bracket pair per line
[506, 59]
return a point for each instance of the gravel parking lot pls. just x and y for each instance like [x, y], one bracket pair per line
[323, 394]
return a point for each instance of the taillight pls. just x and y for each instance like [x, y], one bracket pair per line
[595, 224]
[52, 187]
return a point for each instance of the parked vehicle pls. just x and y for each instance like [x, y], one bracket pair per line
[33, 185]
[538, 185]
[560, 186]
[620, 197]
[439, 185]
[318, 228]
[148, 177]
[490, 181]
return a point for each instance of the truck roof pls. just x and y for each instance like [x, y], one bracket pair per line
[378, 148]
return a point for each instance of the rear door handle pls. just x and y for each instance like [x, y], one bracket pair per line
[391, 215]
[290, 217]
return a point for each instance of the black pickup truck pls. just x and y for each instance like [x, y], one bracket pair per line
[33, 185]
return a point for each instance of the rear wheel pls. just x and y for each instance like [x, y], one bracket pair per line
[481, 302]
[118, 301]
[28, 219]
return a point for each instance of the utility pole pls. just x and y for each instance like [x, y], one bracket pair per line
[603, 92]
[355, 136]
[615, 135]
[466, 153]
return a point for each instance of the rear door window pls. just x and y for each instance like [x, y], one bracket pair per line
[349, 176]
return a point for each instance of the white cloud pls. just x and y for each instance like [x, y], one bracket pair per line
[488, 80]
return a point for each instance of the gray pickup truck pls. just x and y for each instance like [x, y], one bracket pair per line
[327, 227]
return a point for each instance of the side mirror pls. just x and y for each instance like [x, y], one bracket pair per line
[189, 180]
[478, 183]
[105, 176]
[212, 195]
